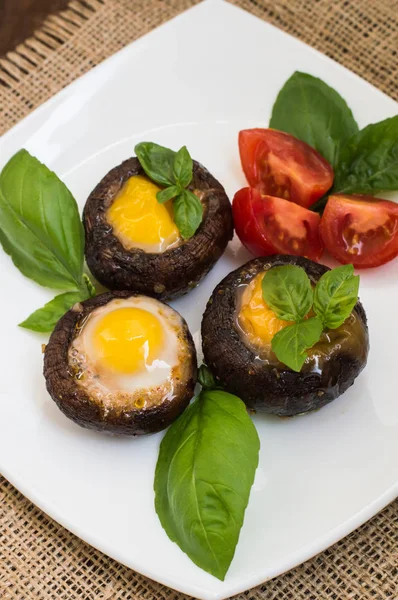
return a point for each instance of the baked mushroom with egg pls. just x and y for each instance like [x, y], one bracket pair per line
[133, 242]
[237, 331]
[122, 363]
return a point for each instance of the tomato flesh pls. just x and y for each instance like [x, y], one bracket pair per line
[278, 164]
[360, 230]
[267, 225]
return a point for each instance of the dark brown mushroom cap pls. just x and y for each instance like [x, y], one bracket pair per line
[167, 274]
[261, 386]
[76, 403]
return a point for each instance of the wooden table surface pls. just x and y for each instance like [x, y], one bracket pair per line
[19, 18]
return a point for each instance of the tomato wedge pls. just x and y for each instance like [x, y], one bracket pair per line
[360, 230]
[267, 225]
[278, 164]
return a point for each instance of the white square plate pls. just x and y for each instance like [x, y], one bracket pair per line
[196, 80]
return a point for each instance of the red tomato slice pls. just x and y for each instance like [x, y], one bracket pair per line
[360, 230]
[278, 164]
[268, 225]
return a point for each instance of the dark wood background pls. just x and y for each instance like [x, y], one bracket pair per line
[19, 18]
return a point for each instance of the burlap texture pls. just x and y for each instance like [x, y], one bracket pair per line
[39, 560]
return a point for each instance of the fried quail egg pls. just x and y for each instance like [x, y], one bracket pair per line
[130, 357]
[140, 221]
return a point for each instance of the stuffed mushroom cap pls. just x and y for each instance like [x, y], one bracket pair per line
[237, 329]
[132, 242]
[121, 363]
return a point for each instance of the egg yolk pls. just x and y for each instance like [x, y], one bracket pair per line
[256, 319]
[127, 339]
[139, 220]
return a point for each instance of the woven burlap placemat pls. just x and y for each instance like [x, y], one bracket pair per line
[40, 560]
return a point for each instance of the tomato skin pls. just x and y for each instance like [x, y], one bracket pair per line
[360, 230]
[267, 225]
[278, 164]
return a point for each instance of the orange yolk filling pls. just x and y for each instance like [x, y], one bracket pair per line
[127, 339]
[256, 319]
[139, 220]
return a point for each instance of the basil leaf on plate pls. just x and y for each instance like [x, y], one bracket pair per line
[40, 226]
[336, 294]
[290, 344]
[205, 470]
[368, 163]
[188, 213]
[157, 162]
[44, 319]
[309, 109]
[287, 291]
[167, 194]
[183, 167]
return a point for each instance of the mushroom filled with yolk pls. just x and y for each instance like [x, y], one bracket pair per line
[122, 363]
[133, 243]
[237, 332]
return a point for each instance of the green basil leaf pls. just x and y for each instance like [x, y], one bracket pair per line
[188, 213]
[336, 294]
[205, 470]
[44, 319]
[290, 344]
[157, 162]
[40, 226]
[206, 378]
[287, 291]
[168, 193]
[369, 161]
[183, 167]
[315, 113]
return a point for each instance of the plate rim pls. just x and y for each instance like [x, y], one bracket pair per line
[32, 494]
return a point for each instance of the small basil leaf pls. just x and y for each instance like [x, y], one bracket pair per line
[44, 319]
[188, 213]
[205, 470]
[167, 194]
[369, 161]
[290, 344]
[315, 113]
[157, 162]
[40, 226]
[336, 294]
[287, 291]
[183, 167]
[206, 378]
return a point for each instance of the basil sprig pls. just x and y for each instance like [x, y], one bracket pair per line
[364, 161]
[174, 171]
[204, 474]
[288, 292]
[41, 230]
